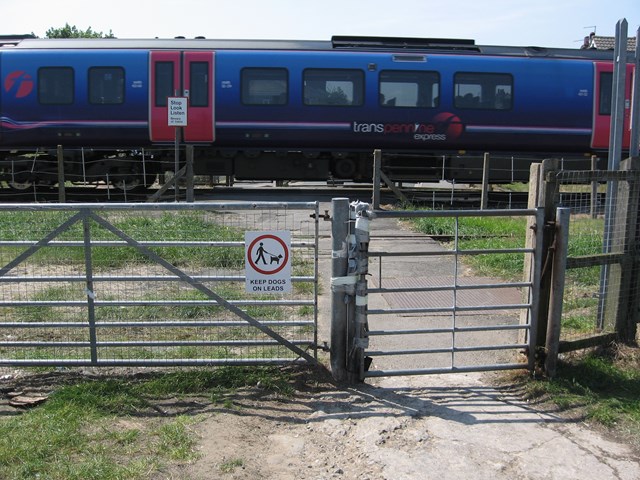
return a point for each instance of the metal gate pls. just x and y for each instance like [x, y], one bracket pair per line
[150, 284]
[415, 306]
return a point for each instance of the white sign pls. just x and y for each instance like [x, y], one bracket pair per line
[268, 262]
[177, 111]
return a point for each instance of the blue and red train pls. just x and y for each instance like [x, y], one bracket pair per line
[292, 109]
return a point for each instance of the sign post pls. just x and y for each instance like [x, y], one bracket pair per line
[268, 262]
[177, 118]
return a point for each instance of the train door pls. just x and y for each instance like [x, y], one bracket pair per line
[602, 106]
[189, 74]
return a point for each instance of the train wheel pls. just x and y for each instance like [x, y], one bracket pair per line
[132, 182]
[344, 168]
[20, 182]
[128, 184]
[20, 186]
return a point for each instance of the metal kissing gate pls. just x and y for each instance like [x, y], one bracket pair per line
[404, 304]
[152, 284]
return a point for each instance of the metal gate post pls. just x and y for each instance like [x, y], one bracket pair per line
[88, 265]
[339, 279]
[361, 327]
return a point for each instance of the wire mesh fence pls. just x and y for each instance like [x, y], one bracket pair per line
[125, 284]
[600, 235]
[80, 175]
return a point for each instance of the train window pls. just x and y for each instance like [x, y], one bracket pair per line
[399, 88]
[606, 85]
[55, 86]
[333, 87]
[265, 86]
[492, 91]
[106, 85]
[164, 83]
[199, 84]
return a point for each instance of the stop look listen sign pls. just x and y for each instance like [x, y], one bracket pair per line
[268, 262]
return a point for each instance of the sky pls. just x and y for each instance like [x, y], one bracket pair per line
[546, 23]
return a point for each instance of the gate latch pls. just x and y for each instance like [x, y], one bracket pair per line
[326, 217]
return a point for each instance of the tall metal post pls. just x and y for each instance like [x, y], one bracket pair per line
[89, 286]
[339, 280]
[617, 99]
[177, 165]
[594, 188]
[615, 151]
[635, 104]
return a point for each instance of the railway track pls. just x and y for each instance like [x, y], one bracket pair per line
[425, 196]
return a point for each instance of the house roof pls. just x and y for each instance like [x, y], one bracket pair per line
[608, 43]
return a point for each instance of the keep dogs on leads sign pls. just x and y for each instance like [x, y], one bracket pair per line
[268, 262]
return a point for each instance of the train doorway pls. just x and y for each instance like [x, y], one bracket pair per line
[188, 74]
[602, 112]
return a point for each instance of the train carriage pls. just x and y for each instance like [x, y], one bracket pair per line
[293, 110]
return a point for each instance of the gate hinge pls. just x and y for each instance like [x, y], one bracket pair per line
[326, 217]
[324, 347]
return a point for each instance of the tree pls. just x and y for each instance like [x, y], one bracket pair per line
[69, 31]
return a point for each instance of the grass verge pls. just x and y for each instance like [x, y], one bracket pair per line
[602, 387]
[109, 429]
[501, 233]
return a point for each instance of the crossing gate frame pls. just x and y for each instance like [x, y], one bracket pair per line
[461, 339]
[151, 284]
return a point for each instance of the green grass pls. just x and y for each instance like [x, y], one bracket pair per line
[105, 430]
[148, 226]
[482, 233]
[604, 388]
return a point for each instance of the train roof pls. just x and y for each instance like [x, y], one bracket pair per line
[337, 43]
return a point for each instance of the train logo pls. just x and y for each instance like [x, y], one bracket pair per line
[449, 124]
[19, 84]
[443, 127]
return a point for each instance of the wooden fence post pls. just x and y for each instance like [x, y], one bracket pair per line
[377, 165]
[484, 196]
[594, 188]
[552, 344]
[545, 196]
[189, 174]
[62, 198]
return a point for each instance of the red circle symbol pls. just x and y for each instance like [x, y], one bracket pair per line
[280, 260]
[450, 124]
[19, 82]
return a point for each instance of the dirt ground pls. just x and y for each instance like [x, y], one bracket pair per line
[433, 427]
[437, 427]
